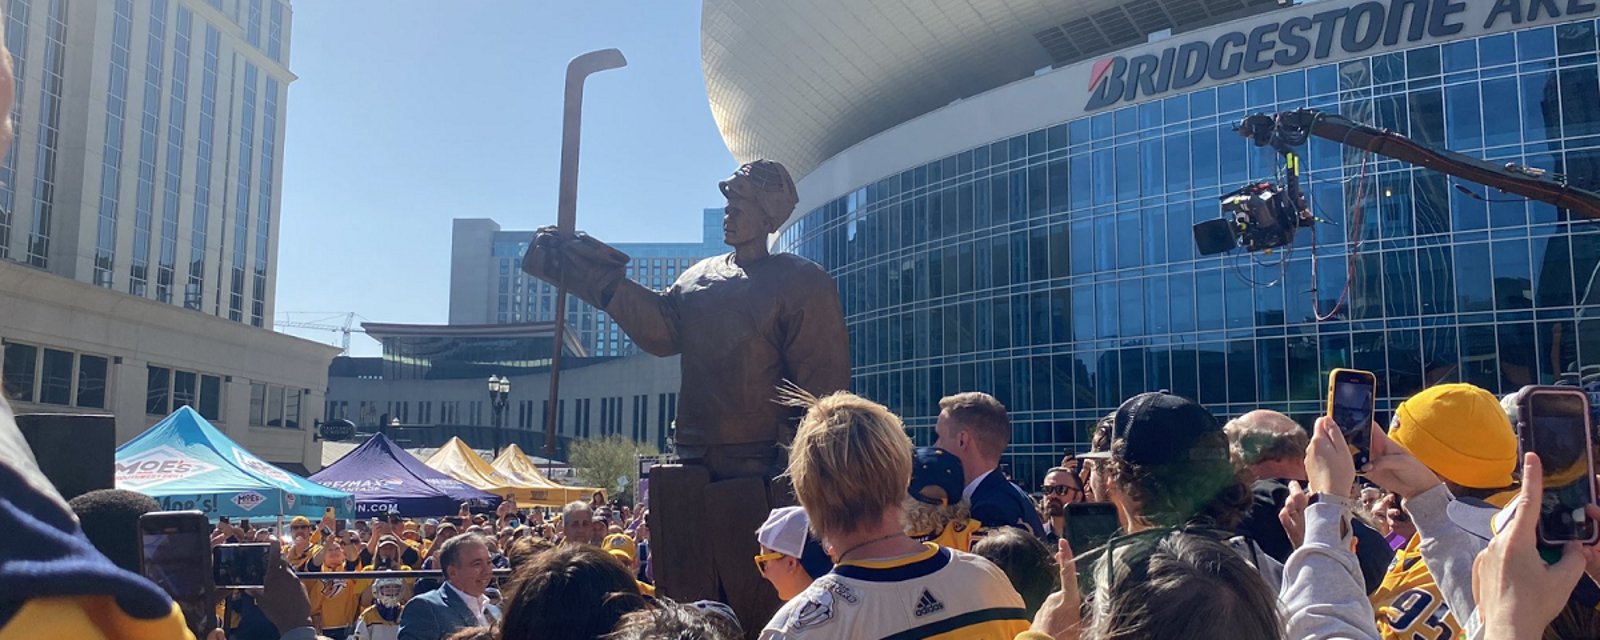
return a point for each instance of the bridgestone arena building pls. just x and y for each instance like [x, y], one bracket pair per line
[1005, 193]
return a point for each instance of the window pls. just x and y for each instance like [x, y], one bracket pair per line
[158, 392]
[183, 389]
[211, 397]
[291, 409]
[91, 382]
[56, 383]
[21, 370]
[258, 404]
[275, 407]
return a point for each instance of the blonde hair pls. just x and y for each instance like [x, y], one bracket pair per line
[922, 520]
[983, 416]
[850, 463]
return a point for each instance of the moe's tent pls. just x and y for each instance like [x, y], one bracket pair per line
[515, 465]
[386, 479]
[459, 461]
[186, 463]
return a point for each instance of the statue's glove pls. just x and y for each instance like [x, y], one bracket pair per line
[588, 268]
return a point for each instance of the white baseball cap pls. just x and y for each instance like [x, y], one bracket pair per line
[785, 531]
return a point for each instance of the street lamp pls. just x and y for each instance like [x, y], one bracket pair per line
[499, 394]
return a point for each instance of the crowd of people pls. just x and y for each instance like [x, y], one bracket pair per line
[1253, 528]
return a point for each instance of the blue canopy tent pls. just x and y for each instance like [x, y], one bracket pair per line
[186, 463]
[387, 479]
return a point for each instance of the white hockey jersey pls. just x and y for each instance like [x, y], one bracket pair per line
[938, 593]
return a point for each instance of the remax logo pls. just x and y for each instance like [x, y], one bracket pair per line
[1352, 29]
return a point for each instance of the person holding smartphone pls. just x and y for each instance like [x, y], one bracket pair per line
[1449, 442]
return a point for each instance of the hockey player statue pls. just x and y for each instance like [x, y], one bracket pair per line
[744, 323]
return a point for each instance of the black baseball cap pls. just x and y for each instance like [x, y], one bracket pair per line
[936, 476]
[1160, 428]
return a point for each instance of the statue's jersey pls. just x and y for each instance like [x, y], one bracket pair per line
[938, 593]
[742, 332]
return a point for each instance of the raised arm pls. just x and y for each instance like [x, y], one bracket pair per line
[596, 273]
[646, 316]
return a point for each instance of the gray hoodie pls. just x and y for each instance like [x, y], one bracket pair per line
[1323, 594]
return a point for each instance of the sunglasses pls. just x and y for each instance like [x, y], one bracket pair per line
[1059, 490]
[763, 559]
[299, 526]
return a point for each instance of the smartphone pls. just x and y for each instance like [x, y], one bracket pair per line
[1091, 524]
[176, 555]
[1352, 394]
[240, 566]
[1554, 423]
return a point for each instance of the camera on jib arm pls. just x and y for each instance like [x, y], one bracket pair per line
[1261, 216]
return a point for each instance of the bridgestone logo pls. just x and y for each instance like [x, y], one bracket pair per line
[1287, 43]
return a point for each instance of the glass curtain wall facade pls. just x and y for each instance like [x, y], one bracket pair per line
[656, 265]
[1057, 269]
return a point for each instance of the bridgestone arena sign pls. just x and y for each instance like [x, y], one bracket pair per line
[1351, 30]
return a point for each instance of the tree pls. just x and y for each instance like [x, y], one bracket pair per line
[599, 462]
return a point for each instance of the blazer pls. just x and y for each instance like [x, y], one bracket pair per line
[998, 503]
[435, 614]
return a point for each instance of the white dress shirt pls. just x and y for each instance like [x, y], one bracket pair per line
[966, 494]
[478, 604]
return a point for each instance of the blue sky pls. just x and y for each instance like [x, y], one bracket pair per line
[406, 115]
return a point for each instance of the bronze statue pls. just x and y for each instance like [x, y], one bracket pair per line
[744, 323]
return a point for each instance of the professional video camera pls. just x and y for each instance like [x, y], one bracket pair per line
[1261, 216]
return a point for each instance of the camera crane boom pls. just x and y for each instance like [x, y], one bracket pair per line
[1262, 217]
[1289, 129]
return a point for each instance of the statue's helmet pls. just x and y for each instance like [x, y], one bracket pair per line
[768, 184]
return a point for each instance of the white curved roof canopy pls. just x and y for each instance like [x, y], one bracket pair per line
[798, 81]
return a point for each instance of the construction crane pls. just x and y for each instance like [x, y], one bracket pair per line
[346, 328]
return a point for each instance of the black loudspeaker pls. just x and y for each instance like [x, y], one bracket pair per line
[76, 452]
[1214, 237]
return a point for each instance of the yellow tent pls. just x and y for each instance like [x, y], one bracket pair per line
[515, 466]
[459, 461]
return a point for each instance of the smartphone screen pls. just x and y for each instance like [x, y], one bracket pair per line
[1091, 524]
[1350, 405]
[1556, 428]
[240, 566]
[176, 555]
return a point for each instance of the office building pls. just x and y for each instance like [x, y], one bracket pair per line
[487, 285]
[1005, 192]
[431, 385]
[139, 216]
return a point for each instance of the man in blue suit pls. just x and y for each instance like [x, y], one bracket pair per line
[974, 426]
[458, 603]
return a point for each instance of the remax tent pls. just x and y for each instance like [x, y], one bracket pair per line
[186, 463]
[459, 461]
[387, 479]
[515, 465]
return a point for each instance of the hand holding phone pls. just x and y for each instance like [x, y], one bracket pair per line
[1091, 524]
[241, 566]
[1554, 423]
[1352, 395]
[177, 557]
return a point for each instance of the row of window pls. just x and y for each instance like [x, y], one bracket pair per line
[581, 420]
[43, 375]
[274, 405]
[168, 389]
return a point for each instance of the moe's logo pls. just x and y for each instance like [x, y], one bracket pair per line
[1351, 29]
